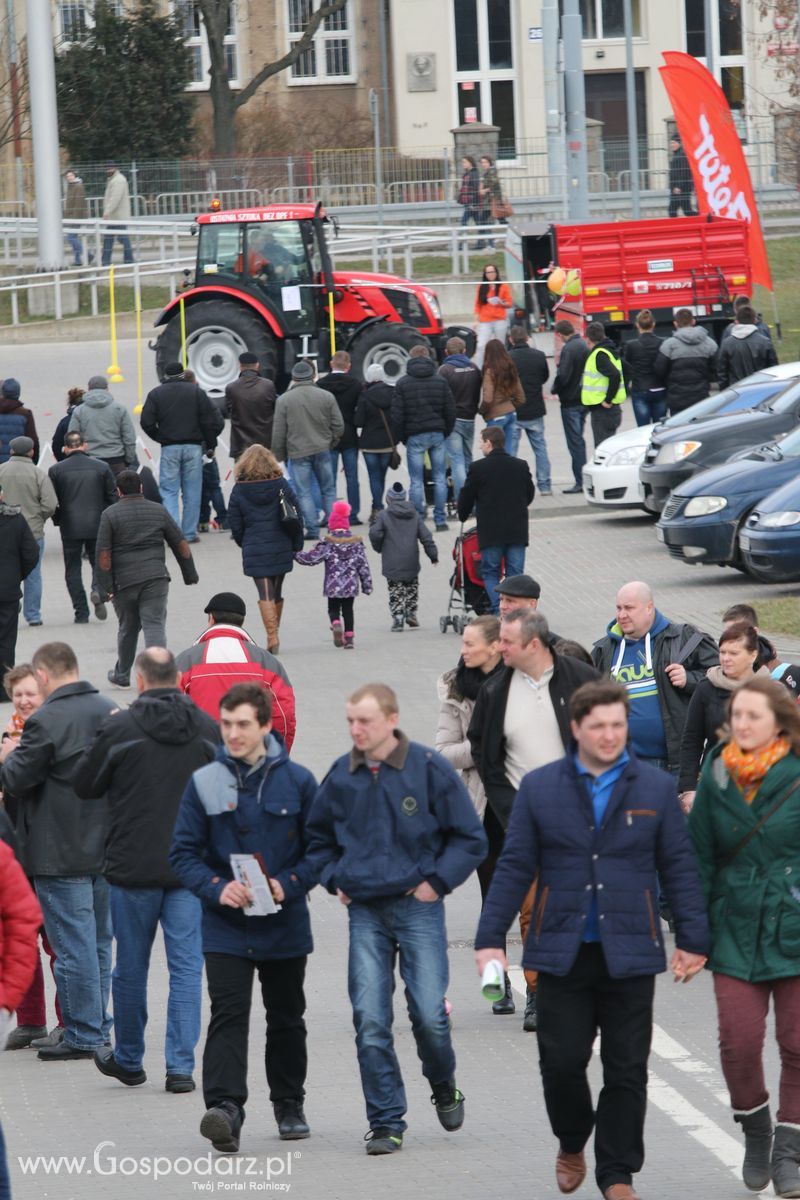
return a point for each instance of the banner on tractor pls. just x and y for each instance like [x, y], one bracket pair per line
[712, 146]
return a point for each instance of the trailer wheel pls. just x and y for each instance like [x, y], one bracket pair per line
[217, 332]
[387, 345]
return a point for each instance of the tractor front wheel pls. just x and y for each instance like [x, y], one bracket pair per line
[387, 345]
[217, 332]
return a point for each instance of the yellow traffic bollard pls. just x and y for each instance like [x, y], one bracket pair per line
[332, 323]
[114, 373]
[182, 308]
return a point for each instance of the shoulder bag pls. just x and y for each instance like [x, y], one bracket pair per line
[290, 521]
[748, 837]
[395, 459]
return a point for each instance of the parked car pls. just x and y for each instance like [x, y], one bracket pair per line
[701, 520]
[769, 542]
[611, 480]
[675, 454]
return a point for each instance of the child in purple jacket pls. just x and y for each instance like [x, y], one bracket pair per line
[346, 572]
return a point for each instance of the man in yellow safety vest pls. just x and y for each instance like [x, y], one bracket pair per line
[603, 387]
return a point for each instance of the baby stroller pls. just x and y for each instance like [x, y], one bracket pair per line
[467, 592]
[427, 479]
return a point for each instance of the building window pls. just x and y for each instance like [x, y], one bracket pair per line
[484, 50]
[197, 44]
[604, 19]
[727, 42]
[73, 22]
[329, 58]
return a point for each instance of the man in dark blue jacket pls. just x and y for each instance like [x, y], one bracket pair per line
[254, 801]
[392, 832]
[595, 827]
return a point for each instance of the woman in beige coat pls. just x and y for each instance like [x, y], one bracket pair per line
[458, 690]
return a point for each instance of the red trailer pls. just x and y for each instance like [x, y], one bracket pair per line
[618, 268]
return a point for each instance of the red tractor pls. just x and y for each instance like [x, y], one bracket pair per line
[263, 283]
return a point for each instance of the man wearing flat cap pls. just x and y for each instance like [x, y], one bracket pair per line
[250, 404]
[180, 417]
[28, 488]
[308, 424]
[224, 654]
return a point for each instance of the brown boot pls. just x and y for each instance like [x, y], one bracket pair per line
[269, 617]
[279, 611]
[620, 1191]
[570, 1171]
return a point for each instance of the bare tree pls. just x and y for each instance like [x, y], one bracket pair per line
[225, 102]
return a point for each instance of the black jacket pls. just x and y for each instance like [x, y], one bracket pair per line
[687, 366]
[346, 390]
[376, 399]
[704, 716]
[422, 402]
[19, 553]
[668, 647]
[179, 413]
[533, 371]
[569, 376]
[742, 353]
[639, 357]
[680, 173]
[130, 545]
[500, 488]
[486, 736]
[85, 487]
[142, 759]
[464, 379]
[59, 834]
[250, 404]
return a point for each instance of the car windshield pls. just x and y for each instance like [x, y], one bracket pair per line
[785, 399]
[790, 445]
[733, 399]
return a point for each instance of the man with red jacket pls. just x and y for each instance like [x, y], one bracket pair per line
[225, 655]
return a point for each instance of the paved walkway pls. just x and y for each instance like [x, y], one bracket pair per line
[505, 1147]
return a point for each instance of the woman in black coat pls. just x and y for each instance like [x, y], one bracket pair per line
[376, 442]
[708, 707]
[254, 520]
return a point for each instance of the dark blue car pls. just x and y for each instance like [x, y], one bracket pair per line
[769, 543]
[701, 520]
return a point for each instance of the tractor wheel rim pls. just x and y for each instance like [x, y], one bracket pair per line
[213, 354]
[391, 357]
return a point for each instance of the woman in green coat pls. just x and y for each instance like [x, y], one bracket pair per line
[745, 825]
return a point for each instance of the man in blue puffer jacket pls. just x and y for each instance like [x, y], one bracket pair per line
[251, 800]
[392, 831]
[595, 827]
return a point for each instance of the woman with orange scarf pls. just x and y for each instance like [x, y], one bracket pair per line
[745, 825]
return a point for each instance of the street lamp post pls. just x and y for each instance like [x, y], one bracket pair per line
[630, 104]
[44, 127]
[575, 100]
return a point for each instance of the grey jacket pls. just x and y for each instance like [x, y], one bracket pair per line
[130, 545]
[117, 199]
[28, 486]
[105, 426]
[307, 421]
[396, 533]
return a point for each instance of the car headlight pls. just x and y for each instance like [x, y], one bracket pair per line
[779, 520]
[704, 506]
[433, 305]
[676, 451]
[626, 458]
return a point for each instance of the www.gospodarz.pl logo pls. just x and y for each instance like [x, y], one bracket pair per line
[207, 1173]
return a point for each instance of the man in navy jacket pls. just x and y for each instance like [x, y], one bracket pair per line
[392, 831]
[251, 800]
[596, 827]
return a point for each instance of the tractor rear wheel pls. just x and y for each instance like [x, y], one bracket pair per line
[217, 332]
[386, 344]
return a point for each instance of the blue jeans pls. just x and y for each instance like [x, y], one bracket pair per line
[573, 420]
[649, 407]
[119, 235]
[77, 247]
[377, 466]
[491, 561]
[535, 431]
[135, 916]
[350, 460]
[459, 451]
[32, 589]
[181, 471]
[76, 919]
[5, 1182]
[508, 424]
[304, 472]
[416, 447]
[379, 930]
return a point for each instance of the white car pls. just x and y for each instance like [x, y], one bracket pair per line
[611, 479]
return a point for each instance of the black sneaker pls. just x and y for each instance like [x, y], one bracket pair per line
[505, 1007]
[179, 1083]
[107, 1065]
[442, 528]
[23, 1036]
[573, 491]
[449, 1104]
[412, 620]
[100, 610]
[383, 1141]
[118, 680]
[222, 1126]
[292, 1123]
[397, 625]
[529, 1023]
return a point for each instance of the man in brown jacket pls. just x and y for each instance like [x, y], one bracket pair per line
[76, 208]
[250, 404]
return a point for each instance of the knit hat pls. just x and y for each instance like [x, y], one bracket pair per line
[173, 370]
[11, 389]
[21, 445]
[375, 373]
[98, 381]
[302, 371]
[340, 515]
[397, 492]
